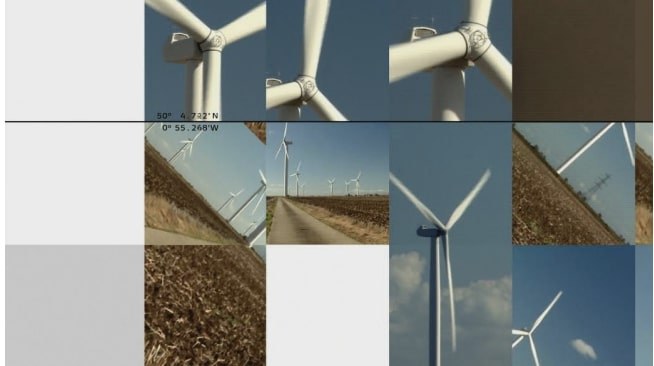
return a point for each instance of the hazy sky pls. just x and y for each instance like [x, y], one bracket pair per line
[243, 75]
[215, 169]
[353, 68]
[596, 306]
[411, 97]
[643, 305]
[615, 200]
[644, 136]
[441, 163]
[329, 151]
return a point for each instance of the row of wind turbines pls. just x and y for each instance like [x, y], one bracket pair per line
[285, 143]
[445, 56]
[256, 228]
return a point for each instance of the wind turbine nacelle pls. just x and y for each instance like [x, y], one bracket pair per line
[430, 232]
[272, 82]
[419, 33]
[181, 48]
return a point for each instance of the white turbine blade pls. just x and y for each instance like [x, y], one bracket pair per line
[297, 170]
[497, 69]
[282, 94]
[359, 176]
[448, 269]
[190, 149]
[461, 208]
[286, 151]
[258, 202]
[405, 59]
[280, 149]
[448, 93]
[626, 140]
[533, 350]
[416, 202]
[519, 332]
[479, 11]
[182, 16]
[547, 310]
[325, 108]
[249, 23]
[285, 129]
[239, 192]
[315, 21]
[293, 175]
[584, 147]
[196, 136]
[263, 178]
[517, 341]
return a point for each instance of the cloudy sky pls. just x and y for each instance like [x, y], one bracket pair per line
[609, 155]
[411, 97]
[215, 170]
[593, 321]
[329, 151]
[441, 163]
[644, 305]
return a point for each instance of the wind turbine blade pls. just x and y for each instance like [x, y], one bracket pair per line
[497, 69]
[182, 16]
[282, 94]
[416, 202]
[247, 24]
[315, 21]
[285, 129]
[325, 108]
[519, 332]
[263, 178]
[547, 310]
[190, 149]
[289, 112]
[280, 149]
[359, 175]
[405, 59]
[517, 341]
[298, 167]
[239, 192]
[533, 350]
[448, 268]
[626, 140]
[461, 208]
[448, 93]
[479, 11]
[258, 202]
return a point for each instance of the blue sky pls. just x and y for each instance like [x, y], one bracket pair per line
[644, 136]
[353, 68]
[243, 63]
[615, 200]
[329, 151]
[596, 306]
[215, 169]
[441, 163]
[411, 97]
[644, 305]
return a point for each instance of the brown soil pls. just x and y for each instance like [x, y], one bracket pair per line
[258, 128]
[271, 203]
[363, 218]
[643, 197]
[546, 210]
[204, 305]
[162, 180]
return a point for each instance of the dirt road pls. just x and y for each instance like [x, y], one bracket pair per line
[291, 225]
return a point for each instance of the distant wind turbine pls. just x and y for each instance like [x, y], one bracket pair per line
[527, 332]
[230, 200]
[188, 145]
[297, 179]
[331, 186]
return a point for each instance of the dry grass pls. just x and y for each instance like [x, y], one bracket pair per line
[362, 231]
[258, 128]
[643, 225]
[271, 203]
[643, 197]
[164, 215]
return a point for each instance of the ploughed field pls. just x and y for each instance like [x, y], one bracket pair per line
[204, 305]
[162, 180]
[643, 196]
[546, 210]
[369, 209]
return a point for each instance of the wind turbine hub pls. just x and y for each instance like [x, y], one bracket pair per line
[215, 41]
[477, 39]
[430, 232]
[308, 86]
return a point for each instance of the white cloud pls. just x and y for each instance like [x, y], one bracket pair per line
[584, 349]
[585, 128]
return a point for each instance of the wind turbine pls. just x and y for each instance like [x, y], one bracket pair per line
[594, 139]
[304, 90]
[201, 51]
[284, 143]
[522, 333]
[356, 181]
[447, 55]
[297, 179]
[331, 186]
[230, 200]
[261, 188]
[188, 145]
[302, 187]
[347, 184]
[435, 233]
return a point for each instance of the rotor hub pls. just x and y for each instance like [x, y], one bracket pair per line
[477, 39]
[215, 41]
[308, 87]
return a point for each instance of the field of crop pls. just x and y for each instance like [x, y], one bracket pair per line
[204, 305]
[643, 196]
[161, 180]
[369, 209]
[546, 210]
